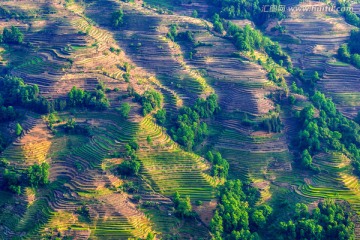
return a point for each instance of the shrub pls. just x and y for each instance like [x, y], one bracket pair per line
[117, 19]
[128, 168]
[12, 35]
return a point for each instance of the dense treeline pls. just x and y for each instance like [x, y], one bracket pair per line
[72, 127]
[35, 176]
[248, 39]
[14, 92]
[271, 124]
[236, 216]
[245, 9]
[220, 167]
[188, 128]
[329, 220]
[94, 100]
[12, 36]
[150, 100]
[183, 206]
[174, 35]
[131, 165]
[330, 130]
[350, 53]
[239, 217]
[350, 16]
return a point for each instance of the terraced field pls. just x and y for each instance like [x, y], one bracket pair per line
[72, 44]
[315, 37]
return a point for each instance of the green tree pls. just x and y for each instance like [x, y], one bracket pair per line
[117, 18]
[306, 159]
[38, 175]
[184, 207]
[129, 168]
[216, 224]
[161, 116]
[12, 35]
[125, 110]
[18, 129]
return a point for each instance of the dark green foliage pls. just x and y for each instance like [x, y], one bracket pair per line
[292, 99]
[194, 14]
[271, 124]
[350, 16]
[174, 35]
[296, 89]
[248, 39]
[354, 43]
[161, 116]
[329, 131]
[117, 19]
[130, 150]
[128, 168]
[14, 92]
[3, 144]
[12, 181]
[7, 114]
[206, 107]
[124, 110]
[188, 128]
[245, 9]
[80, 98]
[350, 53]
[306, 159]
[344, 53]
[183, 206]
[126, 77]
[186, 36]
[72, 127]
[150, 101]
[218, 25]
[18, 129]
[84, 212]
[38, 175]
[220, 167]
[12, 36]
[235, 218]
[329, 220]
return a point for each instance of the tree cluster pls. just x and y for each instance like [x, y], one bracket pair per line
[12, 35]
[188, 128]
[350, 16]
[124, 110]
[330, 130]
[150, 100]
[117, 19]
[128, 168]
[271, 124]
[34, 176]
[220, 167]
[350, 53]
[160, 116]
[94, 100]
[131, 166]
[245, 9]
[329, 220]
[236, 216]
[183, 206]
[174, 35]
[248, 39]
[14, 92]
[72, 127]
